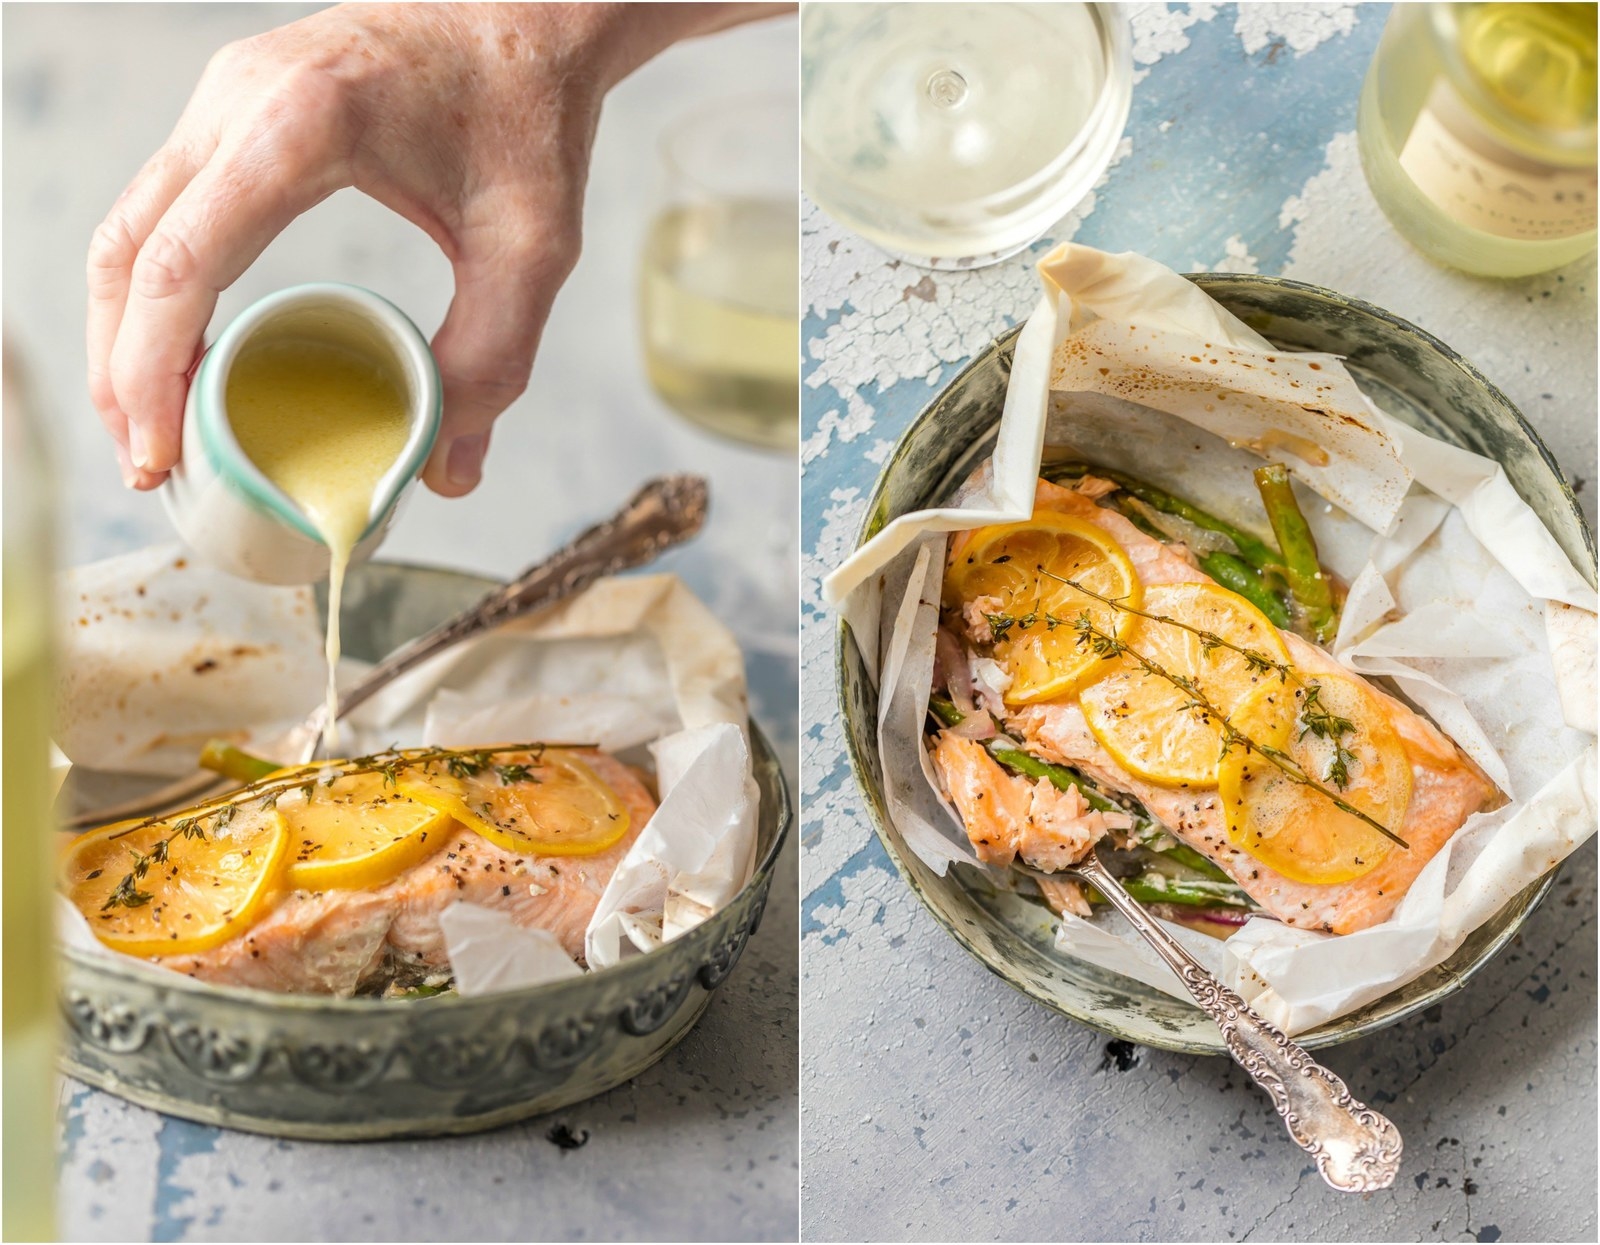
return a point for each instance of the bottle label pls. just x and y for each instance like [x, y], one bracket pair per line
[1481, 183]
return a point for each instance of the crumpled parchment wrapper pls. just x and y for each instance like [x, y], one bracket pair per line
[1459, 594]
[161, 653]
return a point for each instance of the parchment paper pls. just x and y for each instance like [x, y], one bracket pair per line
[170, 654]
[1458, 593]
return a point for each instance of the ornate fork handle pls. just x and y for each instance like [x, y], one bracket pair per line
[1356, 1149]
[665, 512]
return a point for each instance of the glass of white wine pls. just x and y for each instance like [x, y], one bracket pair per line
[954, 135]
[720, 281]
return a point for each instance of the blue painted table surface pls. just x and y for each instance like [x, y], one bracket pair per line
[703, 1145]
[936, 1102]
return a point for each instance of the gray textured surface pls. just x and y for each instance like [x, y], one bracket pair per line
[937, 1102]
[704, 1145]
[947, 1105]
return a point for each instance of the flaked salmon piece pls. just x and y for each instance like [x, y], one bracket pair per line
[335, 942]
[1064, 896]
[1007, 815]
[1447, 787]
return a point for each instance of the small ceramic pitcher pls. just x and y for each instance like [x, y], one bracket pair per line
[222, 504]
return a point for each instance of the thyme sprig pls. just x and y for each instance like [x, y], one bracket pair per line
[1257, 661]
[999, 624]
[265, 793]
[1316, 719]
[1105, 645]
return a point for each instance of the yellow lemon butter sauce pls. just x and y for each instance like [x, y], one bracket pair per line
[325, 424]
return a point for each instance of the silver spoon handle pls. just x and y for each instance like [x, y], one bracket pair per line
[1356, 1149]
[665, 512]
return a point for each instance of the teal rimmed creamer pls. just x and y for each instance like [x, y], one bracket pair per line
[223, 505]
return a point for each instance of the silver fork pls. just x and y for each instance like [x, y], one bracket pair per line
[665, 512]
[1356, 1149]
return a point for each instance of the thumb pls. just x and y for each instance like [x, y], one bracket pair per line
[485, 350]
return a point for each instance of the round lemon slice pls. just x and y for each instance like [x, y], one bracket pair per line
[198, 890]
[1012, 574]
[358, 832]
[1152, 727]
[1293, 828]
[542, 803]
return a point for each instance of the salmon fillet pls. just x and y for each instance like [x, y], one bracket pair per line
[337, 941]
[1447, 787]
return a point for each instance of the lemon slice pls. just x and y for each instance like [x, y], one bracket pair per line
[1296, 830]
[206, 890]
[356, 833]
[1013, 573]
[541, 803]
[1152, 728]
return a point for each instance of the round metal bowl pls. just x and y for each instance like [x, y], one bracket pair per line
[357, 1069]
[1413, 376]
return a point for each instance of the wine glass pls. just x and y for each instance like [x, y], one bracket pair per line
[720, 281]
[954, 135]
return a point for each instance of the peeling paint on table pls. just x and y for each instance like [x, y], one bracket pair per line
[937, 1102]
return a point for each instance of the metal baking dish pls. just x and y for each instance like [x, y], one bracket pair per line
[356, 1069]
[1409, 373]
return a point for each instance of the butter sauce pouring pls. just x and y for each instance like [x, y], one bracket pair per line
[307, 421]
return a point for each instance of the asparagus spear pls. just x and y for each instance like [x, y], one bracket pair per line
[1239, 576]
[1312, 590]
[1059, 776]
[1152, 887]
[236, 763]
[1253, 550]
[1155, 887]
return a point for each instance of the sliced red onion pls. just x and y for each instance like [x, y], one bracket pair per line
[951, 661]
[1219, 916]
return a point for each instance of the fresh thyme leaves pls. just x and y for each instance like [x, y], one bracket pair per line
[1000, 624]
[1314, 716]
[1105, 645]
[467, 764]
[1316, 719]
[264, 794]
[514, 773]
[127, 896]
[1258, 662]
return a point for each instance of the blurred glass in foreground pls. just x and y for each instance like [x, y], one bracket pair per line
[720, 286]
[27, 979]
[1477, 133]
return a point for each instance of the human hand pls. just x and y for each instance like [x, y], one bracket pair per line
[473, 121]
